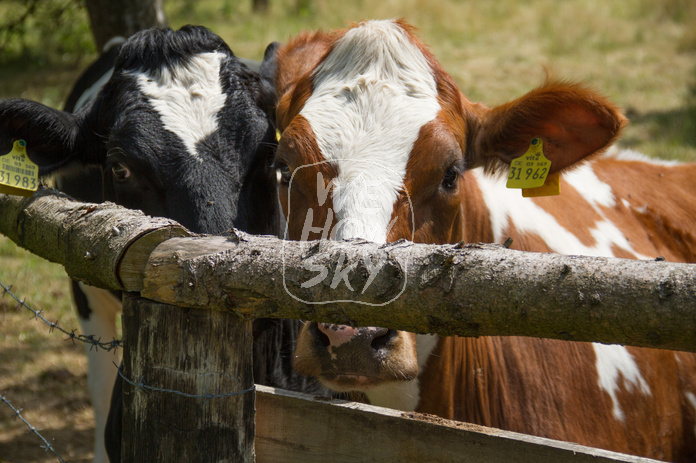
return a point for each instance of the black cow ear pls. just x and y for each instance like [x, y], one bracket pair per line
[52, 137]
[268, 66]
[267, 71]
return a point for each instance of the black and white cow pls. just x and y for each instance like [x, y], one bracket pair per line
[180, 129]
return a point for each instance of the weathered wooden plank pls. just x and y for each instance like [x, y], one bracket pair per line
[187, 352]
[294, 427]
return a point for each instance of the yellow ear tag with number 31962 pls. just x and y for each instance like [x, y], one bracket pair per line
[18, 175]
[530, 172]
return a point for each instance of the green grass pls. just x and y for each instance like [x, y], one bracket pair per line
[37, 282]
[640, 53]
[40, 372]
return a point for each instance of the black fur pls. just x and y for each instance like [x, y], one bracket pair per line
[232, 184]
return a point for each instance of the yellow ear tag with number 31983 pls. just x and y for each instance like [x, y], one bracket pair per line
[530, 172]
[18, 175]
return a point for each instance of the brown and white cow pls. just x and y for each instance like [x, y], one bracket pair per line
[368, 116]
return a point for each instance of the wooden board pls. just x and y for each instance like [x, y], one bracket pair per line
[187, 392]
[294, 427]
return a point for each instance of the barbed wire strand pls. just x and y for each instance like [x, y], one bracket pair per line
[141, 385]
[108, 346]
[47, 446]
[72, 335]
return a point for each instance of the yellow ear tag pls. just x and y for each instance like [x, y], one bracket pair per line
[530, 171]
[552, 187]
[18, 175]
[277, 135]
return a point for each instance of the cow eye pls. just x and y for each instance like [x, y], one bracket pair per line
[120, 171]
[449, 180]
[285, 173]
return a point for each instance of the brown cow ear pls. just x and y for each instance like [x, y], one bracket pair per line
[573, 121]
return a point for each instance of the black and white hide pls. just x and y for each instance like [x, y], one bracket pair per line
[171, 123]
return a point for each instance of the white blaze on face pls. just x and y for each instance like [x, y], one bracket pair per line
[187, 97]
[371, 96]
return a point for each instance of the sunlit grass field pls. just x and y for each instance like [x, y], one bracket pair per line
[640, 53]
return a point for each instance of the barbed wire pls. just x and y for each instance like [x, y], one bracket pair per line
[72, 335]
[47, 446]
[108, 346]
[141, 385]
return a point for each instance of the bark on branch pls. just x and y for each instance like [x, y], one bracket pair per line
[470, 290]
[89, 240]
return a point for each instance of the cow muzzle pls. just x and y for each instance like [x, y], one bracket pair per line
[355, 359]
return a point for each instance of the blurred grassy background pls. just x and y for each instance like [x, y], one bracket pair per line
[640, 53]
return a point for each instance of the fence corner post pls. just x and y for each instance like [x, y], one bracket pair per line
[185, 376]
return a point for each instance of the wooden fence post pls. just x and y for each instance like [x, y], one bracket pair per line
[205, 356]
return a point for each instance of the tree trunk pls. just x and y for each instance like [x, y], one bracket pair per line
[113, 18]
[260, 6]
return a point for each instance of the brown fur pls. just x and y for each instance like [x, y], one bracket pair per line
[542, 387]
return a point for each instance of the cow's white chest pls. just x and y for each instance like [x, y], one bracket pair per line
[405, 395]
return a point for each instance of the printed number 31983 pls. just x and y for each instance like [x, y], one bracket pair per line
[17, 180]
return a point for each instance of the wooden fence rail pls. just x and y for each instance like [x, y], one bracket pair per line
[468, 289]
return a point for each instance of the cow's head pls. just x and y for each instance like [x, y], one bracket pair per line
[181, 130]
[377, 141]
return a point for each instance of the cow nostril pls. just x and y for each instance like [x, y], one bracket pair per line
[320, 336]
[382, 340]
